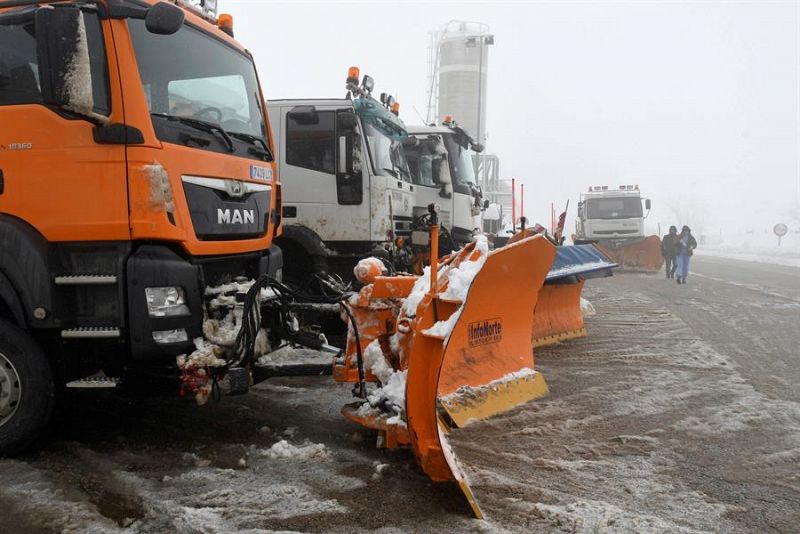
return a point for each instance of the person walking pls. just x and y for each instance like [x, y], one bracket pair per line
[669, 250]
[686, 245]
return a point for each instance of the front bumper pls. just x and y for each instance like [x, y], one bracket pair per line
[160, 266]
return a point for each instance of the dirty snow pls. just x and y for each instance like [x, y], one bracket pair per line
[650, 427]
[587, 310]
[78, 78]
[393, 384]
[160, 187]
[284, 449]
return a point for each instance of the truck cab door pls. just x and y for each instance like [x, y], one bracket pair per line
[61, 175]
[323, 179]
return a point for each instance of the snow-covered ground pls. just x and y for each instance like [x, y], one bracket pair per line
[758, 246]
[654, 425]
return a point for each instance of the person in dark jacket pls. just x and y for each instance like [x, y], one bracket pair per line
[669, 250]
[686, 246]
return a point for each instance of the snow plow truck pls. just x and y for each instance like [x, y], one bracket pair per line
[139, 205]
[613, 218]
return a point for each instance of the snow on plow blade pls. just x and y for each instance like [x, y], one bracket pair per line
[644, 255]
[461, 340]
[558, 314]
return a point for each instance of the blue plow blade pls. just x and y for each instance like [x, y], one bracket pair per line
[585, 261]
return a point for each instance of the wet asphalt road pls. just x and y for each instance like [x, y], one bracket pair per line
[679, 413]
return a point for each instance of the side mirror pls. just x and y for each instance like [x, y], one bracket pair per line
[305, 115]
[477, 147]
[485, 204]
[647, 203]
[63, 53]
[164, 19]
[344, 120]
[410, 142]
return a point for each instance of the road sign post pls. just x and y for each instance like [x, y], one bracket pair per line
[780, 230]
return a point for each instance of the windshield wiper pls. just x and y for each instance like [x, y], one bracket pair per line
[254, 139]
[203, 126]
[392, 172]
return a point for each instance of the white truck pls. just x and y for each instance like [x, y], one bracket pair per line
[611, 215]
[347, 188]
[352, 185]
[441, 162]
[614, 218]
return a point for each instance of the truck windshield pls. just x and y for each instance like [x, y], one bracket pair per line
[613, 208]
[428, 161]
[460, 161]
[190, 74]
[386, 153]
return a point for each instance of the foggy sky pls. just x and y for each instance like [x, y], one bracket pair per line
[696, 102]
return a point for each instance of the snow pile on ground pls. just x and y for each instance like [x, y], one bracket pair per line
[284, 449]
[736, 253]
[756, 245]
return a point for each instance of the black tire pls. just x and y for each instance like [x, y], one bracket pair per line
[27, 379]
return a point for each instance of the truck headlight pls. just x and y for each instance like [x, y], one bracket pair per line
[166, 301]
[170, 336]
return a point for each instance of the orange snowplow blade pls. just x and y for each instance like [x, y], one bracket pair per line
[644, 255]
[467, 353]
[558, 314]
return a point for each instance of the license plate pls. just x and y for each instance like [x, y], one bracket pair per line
[261, 173]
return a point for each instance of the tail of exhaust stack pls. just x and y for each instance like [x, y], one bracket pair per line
[460, 337]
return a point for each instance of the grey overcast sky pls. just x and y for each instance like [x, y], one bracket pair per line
[697, 102]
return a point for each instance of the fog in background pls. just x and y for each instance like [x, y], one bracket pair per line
[696, 102]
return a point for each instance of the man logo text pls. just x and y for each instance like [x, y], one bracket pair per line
[228, 216]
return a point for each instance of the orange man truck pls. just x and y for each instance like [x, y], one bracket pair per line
[136, 172]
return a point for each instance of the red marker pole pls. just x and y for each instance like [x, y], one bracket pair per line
[513, 205]
[522, 200]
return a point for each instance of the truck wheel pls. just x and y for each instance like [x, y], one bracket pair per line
[26, 390]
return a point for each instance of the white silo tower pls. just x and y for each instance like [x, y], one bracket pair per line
[458, 72]
[458, 58]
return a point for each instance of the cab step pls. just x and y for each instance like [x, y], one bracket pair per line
[91, 332]
[97, 381]
[85, 280]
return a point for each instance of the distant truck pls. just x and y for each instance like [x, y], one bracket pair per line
[614, 219]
